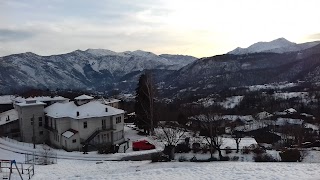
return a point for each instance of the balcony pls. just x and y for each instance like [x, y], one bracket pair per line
[50, 128]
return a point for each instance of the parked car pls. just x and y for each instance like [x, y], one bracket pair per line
[142, 145]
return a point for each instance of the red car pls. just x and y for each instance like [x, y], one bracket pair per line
[142, 145]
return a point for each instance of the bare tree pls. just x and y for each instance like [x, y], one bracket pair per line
[210, 124]
[236, 135]
[170, 136]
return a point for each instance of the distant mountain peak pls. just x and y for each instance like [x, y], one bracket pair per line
[280, 45]
[100, 52]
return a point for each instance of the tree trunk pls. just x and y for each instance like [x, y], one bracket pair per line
[220, 154]
[211, 152]
[237, 146]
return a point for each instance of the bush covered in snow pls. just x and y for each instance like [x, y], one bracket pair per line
[264, 157]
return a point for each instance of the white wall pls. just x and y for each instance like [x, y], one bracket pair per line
[26, 128]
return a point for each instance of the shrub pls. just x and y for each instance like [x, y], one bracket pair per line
[105, 149]
[224, 158]
[196, 147]
[264, 157]
[205, 149]
[182, 159]
[228, 150]
[290, 155]
[182, 148]
[141, 133]
[194, 159]
[234, 158]
[245, 150]
[159, 157]
[213, 159]
[258, 150]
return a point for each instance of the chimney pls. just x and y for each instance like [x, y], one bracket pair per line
[78, 113]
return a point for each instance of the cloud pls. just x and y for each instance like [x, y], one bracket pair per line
[314, 36]
[14, 35]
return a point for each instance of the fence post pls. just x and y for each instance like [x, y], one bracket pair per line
[22, 168]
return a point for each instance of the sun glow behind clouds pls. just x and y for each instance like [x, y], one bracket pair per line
[244, 22]
[199, 28]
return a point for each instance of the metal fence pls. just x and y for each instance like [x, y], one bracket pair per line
[41, 158]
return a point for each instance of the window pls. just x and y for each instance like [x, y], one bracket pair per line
[85, 124]
[118, 135]
[40, 121]
[55, 124]
[31, 121]
[40, 133]
[118, 120]
[45, 121]
[74, 141]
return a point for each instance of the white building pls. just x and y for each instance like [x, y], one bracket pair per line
[67, 125]
[83, 122]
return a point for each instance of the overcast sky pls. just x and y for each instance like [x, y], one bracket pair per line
[199, 28]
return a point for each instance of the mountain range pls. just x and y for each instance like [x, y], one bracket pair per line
[176, 75]
[93, 69]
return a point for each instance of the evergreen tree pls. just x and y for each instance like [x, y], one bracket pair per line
[144, 106]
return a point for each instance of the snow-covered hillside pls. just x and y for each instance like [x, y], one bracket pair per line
[90, 69]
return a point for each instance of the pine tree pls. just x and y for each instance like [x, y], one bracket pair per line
[144, 106]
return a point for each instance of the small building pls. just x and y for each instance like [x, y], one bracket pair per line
[9, 124]
[112, 102]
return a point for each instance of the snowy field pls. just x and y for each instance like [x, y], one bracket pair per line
[80, 169]
[68, 169]
[93, 166]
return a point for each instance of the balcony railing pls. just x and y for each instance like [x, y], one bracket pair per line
[50, 128]
[96, 132]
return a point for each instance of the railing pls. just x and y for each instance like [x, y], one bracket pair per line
[96, 132]
[50, 128]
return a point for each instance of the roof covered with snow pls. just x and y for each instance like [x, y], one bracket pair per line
[112, 100]
[69, 133]
[84, 97]
[8, 116]
[8, 99]
[88, 110]
[290, 110]
[31, 102]
[284, 121]
[263, 115]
